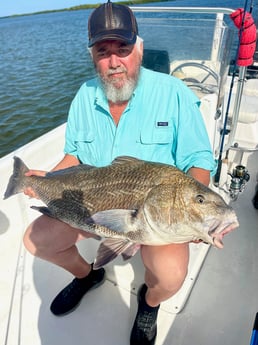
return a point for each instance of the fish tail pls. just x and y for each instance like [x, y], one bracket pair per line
[16, 181]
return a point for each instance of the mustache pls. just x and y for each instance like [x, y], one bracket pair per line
[117, 70]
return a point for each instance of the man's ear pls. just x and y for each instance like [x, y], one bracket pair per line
[141, 50]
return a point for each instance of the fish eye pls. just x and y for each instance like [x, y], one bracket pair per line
[200, 199]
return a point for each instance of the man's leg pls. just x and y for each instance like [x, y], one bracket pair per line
[54, 241]
[166, 269]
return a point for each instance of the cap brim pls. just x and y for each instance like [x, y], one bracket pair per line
[119, 35]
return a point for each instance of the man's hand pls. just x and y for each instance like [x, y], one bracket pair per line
[29, 191]
[66, 162]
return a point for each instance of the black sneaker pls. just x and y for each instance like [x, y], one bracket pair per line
[70, 297]
[144, 330]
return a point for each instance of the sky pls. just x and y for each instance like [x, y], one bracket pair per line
[10, 7]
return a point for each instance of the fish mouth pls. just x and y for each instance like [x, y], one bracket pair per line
[219, 230]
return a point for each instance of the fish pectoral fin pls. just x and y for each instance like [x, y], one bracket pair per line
[111, 248]
[115, 219]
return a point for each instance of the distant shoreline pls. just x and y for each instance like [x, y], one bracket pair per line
[86, 7]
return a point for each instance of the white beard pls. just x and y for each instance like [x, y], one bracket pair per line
[122, 94]
[118, 94]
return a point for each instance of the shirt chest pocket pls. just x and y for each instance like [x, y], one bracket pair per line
[84, 137]
[157, 135]
[85, 146]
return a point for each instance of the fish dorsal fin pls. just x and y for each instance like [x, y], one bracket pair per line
[126, 160]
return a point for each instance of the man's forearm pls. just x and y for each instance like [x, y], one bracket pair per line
[200, 175]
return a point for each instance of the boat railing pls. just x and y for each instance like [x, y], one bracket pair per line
[207, 10]
[218, 12]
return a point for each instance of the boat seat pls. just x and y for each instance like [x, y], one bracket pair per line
[156, 60]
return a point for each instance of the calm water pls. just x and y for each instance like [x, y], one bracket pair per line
[44, 60]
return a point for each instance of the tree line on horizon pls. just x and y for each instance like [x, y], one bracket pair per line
[89, 6]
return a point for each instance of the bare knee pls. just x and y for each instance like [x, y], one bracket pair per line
[34, 239]
[169, 282]
[175, 281]
[166, 268]
[46, 237]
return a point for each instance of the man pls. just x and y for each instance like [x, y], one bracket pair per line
[126, 110]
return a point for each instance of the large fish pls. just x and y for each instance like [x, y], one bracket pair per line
[130, 202]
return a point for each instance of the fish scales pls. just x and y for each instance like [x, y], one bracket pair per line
[130, 202]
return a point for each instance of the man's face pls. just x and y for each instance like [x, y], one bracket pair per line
[118, 65]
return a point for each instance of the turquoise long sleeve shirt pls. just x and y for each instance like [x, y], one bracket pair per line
[161, 123]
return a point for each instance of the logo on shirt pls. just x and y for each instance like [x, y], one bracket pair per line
[162, 123]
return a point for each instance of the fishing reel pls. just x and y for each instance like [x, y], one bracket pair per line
[239, 178]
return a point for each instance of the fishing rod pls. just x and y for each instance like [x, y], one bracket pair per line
[224, 131]
[251, 6]
[254, 337]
